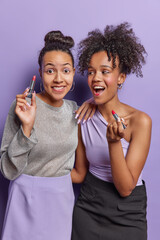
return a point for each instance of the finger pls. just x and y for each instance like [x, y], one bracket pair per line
[120, 129]
[80, 109]
[114, 128]
[110, 129]
[26, 91]
[87, 115]
[23, 101]
[124, 123]
[33, 99]
[20, 106]
[82, 114]
[90, 112]
[22, 96]
[93, 111]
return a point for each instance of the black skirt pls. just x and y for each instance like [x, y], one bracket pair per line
[100, 213]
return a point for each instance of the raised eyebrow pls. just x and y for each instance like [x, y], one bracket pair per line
[51, 64]
[66, 64]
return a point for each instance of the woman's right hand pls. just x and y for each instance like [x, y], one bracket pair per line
[26, 112]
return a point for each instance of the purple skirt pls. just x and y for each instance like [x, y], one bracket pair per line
[39, 208]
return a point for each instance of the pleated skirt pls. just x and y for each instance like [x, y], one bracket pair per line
[39, 208]
[100, 213]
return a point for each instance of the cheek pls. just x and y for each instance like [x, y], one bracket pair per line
[110, 82]
[69, 79]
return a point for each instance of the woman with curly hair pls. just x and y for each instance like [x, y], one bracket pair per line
[112, 202]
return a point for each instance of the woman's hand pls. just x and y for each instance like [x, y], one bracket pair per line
[115, 130]
[86, 110]
[26, 112]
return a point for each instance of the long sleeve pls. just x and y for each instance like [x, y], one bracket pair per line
[15, 147]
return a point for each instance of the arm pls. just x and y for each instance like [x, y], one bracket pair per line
[126, 171]
[16, 143]
[78, 173]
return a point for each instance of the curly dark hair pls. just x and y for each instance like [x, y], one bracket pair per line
[55, 40]
[118, 41]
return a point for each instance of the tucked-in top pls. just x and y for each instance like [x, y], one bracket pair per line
[49, 151]
[96, 145]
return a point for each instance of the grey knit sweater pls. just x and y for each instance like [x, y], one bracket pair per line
[49, 151]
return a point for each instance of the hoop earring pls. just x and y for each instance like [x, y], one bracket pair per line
[73, 86]
[119, 86]
[41, 87]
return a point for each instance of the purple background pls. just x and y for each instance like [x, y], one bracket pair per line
[23, 25]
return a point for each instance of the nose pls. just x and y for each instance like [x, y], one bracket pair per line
[58, 78]
[97, 76]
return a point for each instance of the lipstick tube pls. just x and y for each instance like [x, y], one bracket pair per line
[116, 117]
[31, 88]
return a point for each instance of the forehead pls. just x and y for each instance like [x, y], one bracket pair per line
[57, 57]
[101, 58]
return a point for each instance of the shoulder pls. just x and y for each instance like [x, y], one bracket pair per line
[140, 125]
[12, 108]
[71, 104]
[141, 119]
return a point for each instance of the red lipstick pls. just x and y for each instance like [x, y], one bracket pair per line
[116, 117]
[31, 88]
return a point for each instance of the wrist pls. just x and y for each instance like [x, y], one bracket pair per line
[27, 130]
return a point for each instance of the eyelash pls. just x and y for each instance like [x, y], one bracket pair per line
[51, 71]
[66, 70]
[48, 71]
[103, 72]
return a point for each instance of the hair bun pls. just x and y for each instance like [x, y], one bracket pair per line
[58, 37]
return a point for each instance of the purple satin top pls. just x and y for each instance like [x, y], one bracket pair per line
[97, 152]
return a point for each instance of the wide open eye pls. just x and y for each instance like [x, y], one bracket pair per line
[66, 70]
[50, 71]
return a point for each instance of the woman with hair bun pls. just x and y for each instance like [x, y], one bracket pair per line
[112, 202]
[38, 150]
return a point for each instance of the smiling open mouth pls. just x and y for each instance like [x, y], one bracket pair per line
[58, 88]
[98, 90]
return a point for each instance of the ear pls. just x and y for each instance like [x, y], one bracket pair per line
[121, 78]
[74, 70]
[40, 72]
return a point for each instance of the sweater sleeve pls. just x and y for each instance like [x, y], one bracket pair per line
[15, 147]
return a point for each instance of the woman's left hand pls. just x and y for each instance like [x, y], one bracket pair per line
[115, 130]
[86, 111]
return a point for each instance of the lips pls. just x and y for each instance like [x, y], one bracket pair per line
[58, 88]
[98, 90]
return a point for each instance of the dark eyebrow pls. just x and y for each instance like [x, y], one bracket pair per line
[51, 64]
[106, 66]
[101, 66]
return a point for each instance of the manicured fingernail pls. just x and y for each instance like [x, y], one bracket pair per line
[89, 119]
[84, 121]
[78, 121]
[118, 119]
[122, 119]
[28, 104]
[76, 116]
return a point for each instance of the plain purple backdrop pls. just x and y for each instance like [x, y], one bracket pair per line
[23, 25]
